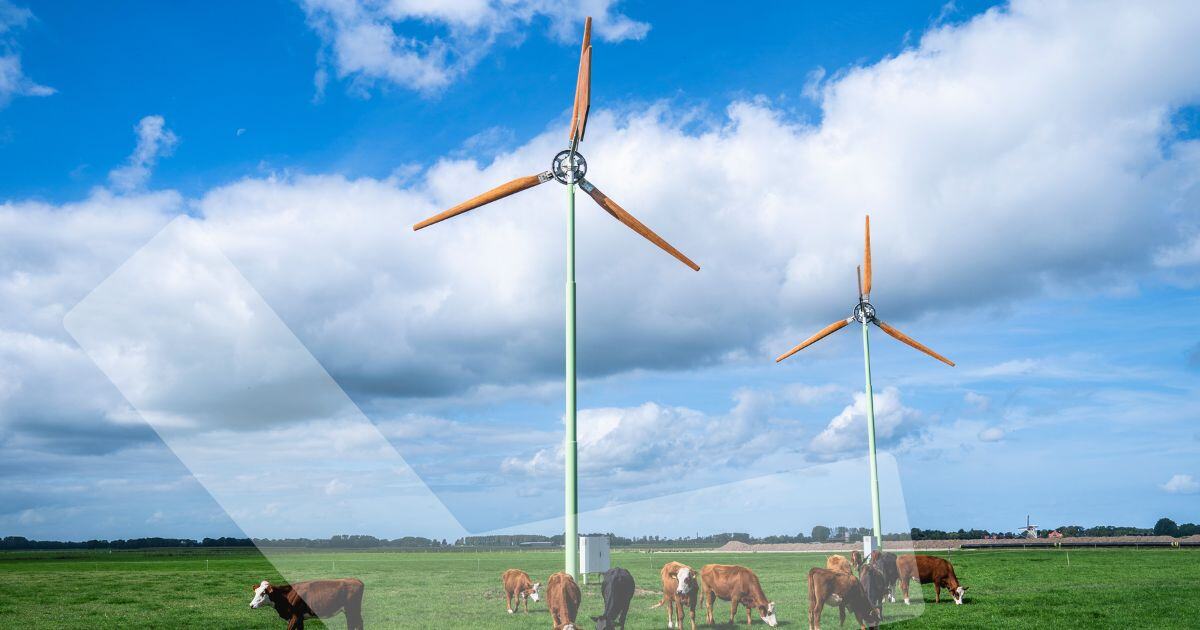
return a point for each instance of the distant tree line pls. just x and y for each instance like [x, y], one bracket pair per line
[820, 533]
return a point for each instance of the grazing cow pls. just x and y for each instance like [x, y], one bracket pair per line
[679, 590]
[856, 558]
[887, 563]
[617, 590]
[825, 584]
[930, 570]
[736, 585]
[318, 598]
[839, 563]
[562, 598]
[519, 588]
[874, 585]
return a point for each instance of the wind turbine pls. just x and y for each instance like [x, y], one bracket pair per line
[568, 167]
[864, 313]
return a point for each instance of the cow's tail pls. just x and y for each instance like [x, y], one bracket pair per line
[660, 603]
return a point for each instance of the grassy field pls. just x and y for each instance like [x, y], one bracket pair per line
[1102, 588]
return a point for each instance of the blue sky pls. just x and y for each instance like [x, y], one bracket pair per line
[1030, 170]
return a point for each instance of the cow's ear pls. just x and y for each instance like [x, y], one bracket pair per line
[965, 588]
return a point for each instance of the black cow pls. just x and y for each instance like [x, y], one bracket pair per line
[618, 591]
[875, 585]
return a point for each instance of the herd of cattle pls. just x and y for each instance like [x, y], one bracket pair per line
[860, 584]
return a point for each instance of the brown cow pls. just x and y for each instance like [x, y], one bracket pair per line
[856, 559]
[679, 590]
[839, 563]
[824, 584]
[562, 598]
[518, 587]
[736, 585]
[318, 598]
[930, 570]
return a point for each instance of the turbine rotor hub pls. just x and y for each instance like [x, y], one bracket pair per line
[864, 312]
[568, 166]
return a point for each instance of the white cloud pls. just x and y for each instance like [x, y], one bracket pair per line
[991, 434]
[13, 81]
[1182, 484]
[978, 401]
[366, 39]
[154, 140]
[848, 430]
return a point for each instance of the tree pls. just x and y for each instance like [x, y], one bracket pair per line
[820, 533]
[1165, 527]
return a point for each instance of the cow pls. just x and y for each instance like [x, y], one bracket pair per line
[737, 585]
[318, 598]
[874, 585]
[839, 563]
[856, 559]
[930, 570]
[519, 588]
[562, 598]
[826, 584]
[887, 564]
[617, 590]
[679, 590]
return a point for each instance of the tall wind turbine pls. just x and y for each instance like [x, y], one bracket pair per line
[864, 313]
[568, 167]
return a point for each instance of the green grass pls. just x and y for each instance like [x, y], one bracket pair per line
[1102, 588]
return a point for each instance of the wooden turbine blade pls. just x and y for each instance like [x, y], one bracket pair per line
[865, 289]
[825, 332]
[887, 328]
[621, 215]
[583, 87]
[499, 192]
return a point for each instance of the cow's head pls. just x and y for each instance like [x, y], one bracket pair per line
[685, 581]
[958, 594]
[534, 594]
[262, 592]
[768, 616]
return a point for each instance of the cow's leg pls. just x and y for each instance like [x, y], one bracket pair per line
[815, 614]
[354, 620]
[841, 613]
[748, 619]
[508, 600]
[937, 593]
[709, 600]
[296, 622]
[693, 609]
[733, 606]
[904, 589]
[623, 615]
[525, 598]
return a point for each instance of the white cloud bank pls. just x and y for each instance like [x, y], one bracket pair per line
[366, 39]
[1028, 147]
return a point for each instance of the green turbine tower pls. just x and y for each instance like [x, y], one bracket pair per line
[569, 168]
[864, 313]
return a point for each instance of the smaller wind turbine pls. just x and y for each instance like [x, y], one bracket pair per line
[864, 313]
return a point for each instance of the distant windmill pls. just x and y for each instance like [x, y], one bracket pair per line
[864, 313]
[569, 167]
[1030, 530]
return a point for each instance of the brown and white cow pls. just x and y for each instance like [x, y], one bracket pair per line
[562, 598]
[519, 588]
[736, 585]
[930, 570]
[679, 590]
[845, 590]
[318, 598]
[839, 563]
